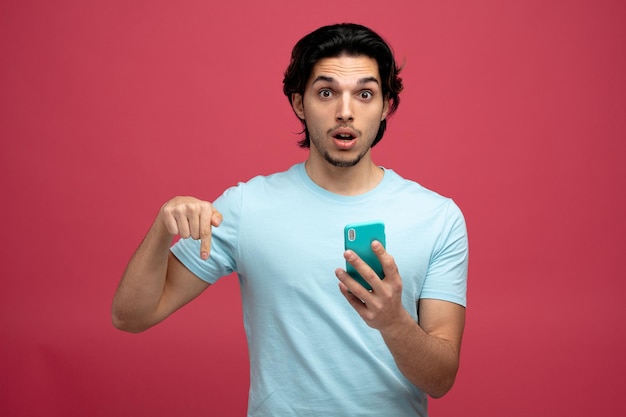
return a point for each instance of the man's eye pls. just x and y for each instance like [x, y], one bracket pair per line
[325, 93]
[366, 95]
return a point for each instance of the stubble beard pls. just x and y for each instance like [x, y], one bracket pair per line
[342, 163]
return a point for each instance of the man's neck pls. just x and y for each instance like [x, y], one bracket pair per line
[354, 180]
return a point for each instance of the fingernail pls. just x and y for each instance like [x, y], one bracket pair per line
[204, 255]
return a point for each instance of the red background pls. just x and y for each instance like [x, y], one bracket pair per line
[516, 109]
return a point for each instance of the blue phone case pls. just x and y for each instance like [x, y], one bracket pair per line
[359, 237]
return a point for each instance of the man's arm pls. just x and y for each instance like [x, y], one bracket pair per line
[427, 353]
[155, 283]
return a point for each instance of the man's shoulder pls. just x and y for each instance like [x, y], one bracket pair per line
[265, 184]
[285, 175]
[412, 187]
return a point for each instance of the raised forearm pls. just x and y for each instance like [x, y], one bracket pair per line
[429, 362]
[155, 283]
[426, 353]
[137, 298]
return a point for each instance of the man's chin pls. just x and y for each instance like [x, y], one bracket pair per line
[342, 163]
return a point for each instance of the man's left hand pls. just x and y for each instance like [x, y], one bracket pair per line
[382, 306]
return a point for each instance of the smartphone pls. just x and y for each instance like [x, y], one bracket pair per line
[358, 237]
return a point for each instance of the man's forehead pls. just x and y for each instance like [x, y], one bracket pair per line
[360, 68]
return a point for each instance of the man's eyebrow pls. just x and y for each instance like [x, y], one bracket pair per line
[331, 80]
[366, 80]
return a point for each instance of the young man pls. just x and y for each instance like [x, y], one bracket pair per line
[316, 349]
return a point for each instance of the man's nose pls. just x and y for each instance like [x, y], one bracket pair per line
[344, 109]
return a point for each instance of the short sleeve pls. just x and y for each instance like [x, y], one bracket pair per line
[446, 278]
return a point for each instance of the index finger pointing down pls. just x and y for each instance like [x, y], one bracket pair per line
[206, 221]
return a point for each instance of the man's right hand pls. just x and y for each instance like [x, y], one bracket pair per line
[191, 217]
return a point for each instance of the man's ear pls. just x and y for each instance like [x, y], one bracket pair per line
[385, 109]
[296, 103]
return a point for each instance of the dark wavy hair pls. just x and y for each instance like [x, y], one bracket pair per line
[333, 41]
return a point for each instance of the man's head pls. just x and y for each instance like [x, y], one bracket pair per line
[334, 41]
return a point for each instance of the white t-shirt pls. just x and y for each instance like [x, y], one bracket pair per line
[311, 354]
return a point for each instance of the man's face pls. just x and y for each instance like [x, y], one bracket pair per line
[342, 107]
